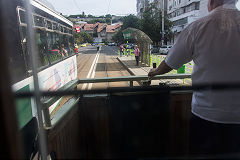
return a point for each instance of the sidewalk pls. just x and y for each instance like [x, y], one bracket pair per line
[130, 64]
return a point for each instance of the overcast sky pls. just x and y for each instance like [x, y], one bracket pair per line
[95, 7]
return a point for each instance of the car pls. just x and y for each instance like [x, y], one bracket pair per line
[111, 44]
[155, 50]
[164, 49]
[83, 45]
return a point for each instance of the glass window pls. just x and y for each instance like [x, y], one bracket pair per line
[55, 27]
[65, 49]
[38, 21]
[54, 54]
[41, 44]
[71, 45]
[65, 30]
[22, 16]
[49, 25]
[18, 60]
[61, 29]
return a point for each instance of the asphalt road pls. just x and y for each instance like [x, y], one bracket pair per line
[93, 64]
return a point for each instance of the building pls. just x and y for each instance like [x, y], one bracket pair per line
[141, 7]
[203, 8]
[182, 13]
[100, 31]
[158, 3]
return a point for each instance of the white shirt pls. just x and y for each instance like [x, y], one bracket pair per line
[213, 43]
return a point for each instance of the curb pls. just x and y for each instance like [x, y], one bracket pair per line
[126, 67]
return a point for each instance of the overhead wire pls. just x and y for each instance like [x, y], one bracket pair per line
[77, 5]
[108, 7]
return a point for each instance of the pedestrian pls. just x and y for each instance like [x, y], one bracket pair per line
[212, 42]
[76, 49]
[121, 49]
[137, 54]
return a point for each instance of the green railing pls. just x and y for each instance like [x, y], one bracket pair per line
[47, 102]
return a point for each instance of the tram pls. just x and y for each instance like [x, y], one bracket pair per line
[57, 63]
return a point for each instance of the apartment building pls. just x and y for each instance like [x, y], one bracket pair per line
[182, 13]
[143, 4]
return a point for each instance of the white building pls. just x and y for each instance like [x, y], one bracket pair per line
[203, 8]
[141, 7]
[182, 13]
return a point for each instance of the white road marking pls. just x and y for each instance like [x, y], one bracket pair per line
[91, 69]
[93, 73]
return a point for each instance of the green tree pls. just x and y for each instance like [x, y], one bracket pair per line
[118, 37]
[83, 37]
[151, 24]
[131, 21]
[108, 16]
[108, 21]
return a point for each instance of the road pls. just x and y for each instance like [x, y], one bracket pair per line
[93, 64]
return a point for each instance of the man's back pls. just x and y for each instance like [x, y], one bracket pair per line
[213, 44]
[216, 56]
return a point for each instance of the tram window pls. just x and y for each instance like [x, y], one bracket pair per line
[18, 60]
[49, 25]
[65, 30]
[54, 53]
[71, 45]
[61, 29]
[70, 31]
[54, 25]
[22, 16]
[42, 48]
[65, 49]
[38, 21]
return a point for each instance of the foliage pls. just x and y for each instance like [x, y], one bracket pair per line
[108, 16]
[83, 37]
[151, 24]
[108, 21]
[131, 21]
[96, 20]
[118, 37]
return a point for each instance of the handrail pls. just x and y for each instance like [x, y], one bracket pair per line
[134, 78]
[47, 102]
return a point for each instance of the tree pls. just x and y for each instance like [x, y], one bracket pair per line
[108, 21]
[118, 37]
[151, 24]
[83, 37]
[131, 21]
[108, 16]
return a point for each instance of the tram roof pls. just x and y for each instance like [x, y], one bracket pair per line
[50, 11]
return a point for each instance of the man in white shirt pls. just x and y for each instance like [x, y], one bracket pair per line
[213, 43]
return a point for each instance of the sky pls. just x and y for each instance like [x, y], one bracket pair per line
[95, 7]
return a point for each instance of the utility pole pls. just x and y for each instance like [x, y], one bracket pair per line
[163, 10]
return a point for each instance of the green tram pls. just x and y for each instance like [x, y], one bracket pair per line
[57, 63]
[133, 122]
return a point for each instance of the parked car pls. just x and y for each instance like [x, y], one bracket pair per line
[164, 49]
[155, 49]
[83, 45]
[111, 44]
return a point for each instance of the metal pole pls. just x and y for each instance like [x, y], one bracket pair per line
[163, 22]
[33, 56]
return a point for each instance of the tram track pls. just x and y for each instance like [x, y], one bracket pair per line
[100, 65]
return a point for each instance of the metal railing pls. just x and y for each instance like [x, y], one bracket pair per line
[47, 102]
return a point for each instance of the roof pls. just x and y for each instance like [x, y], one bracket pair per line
[112, 28]
[89, 27]
[101, 26]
